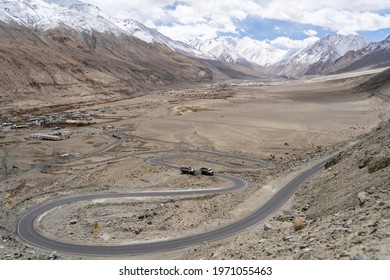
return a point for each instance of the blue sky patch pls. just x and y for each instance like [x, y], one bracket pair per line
[269, 29]
[375, 36]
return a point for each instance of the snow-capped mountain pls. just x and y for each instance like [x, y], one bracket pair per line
[377, 46]
[238, 50]
[376, 54]
[49, 14]
[316, 57]
[220, 49]
[148, 35]
[86, 18]
[82, 17]
[328, 48]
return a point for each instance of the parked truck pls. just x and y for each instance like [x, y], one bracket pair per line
[187, 170]
[207, 171]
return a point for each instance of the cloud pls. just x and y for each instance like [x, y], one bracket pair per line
[345, 17]
[179, 17]
[310, 32]
[186, 33]
[288, 43]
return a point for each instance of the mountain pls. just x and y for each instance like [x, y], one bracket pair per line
[48, 14]
[240, 51]
[375, 55]
[234, 57]
[314, 58]
[148, 35]
[330, 47]
[52, 54]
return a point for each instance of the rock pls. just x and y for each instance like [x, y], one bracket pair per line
[363, 197]
[287, 238]
[73, 222]
[379, 162]
[53, 255]
[333, 161]
[267, 227]
[349, 222]
[307, 207]
[268, 253]
[305, 250]
[345, 256]
[146, 214]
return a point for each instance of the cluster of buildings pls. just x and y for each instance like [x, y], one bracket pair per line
[68, 119]
[55, 134]
[55, 122]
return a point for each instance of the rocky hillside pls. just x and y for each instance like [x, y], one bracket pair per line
[378, 85]
[341, 213]
[48, 66]
[347, 206]
[375, 55]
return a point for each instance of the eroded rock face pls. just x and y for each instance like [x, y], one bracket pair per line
[379, 162]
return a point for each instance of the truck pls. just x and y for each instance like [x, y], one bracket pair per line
[187, 170]
[207, 171]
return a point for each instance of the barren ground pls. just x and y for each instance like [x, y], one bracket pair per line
[290, 124]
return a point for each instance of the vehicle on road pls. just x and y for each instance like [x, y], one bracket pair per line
[207, 171]
[187, 170]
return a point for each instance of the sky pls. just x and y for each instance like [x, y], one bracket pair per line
[282, 23]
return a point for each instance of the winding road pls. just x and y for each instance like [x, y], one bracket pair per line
[27, 231]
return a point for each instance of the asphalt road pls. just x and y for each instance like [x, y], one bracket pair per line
[27, 231]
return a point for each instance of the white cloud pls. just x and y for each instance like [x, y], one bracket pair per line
[179, 17]
[288, 43]
[179, 21]
[186, 32]
[310, 32]
[346, 17]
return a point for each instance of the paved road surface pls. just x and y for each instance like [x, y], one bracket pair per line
[27, 231]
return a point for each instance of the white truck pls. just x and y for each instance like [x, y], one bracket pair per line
[207, 171]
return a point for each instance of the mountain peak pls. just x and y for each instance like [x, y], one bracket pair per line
[239, 50]
[329, 48]
[81, 17]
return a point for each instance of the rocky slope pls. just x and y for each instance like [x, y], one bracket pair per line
[375, 55]
[46, 15]
[316, 58]
[61, 65]
[378, 85]
[323, 56]
[341, 213]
